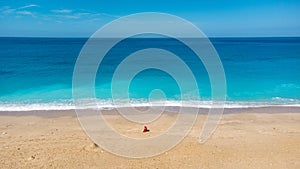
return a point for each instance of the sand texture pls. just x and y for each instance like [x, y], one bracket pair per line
[242, 140]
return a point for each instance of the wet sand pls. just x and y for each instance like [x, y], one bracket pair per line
[244, 138]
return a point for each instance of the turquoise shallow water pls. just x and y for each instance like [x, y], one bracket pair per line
[36, 73]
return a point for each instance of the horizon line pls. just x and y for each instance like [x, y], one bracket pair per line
[86, 37]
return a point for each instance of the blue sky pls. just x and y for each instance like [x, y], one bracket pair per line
[74, 18]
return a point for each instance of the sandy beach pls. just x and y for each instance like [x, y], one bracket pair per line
[251, 138]
[131, 85]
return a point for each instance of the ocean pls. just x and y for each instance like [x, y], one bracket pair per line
[36, 73]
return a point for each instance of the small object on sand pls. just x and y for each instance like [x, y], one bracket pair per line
[94, 145]
[31, 158]
[91, 147]
[4, 133]
[145, 129]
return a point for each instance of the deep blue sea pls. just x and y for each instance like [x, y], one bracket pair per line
[36, 73]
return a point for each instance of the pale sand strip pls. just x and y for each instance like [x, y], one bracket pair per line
[54, 139]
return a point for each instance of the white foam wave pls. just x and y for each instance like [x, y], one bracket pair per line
[109, 104]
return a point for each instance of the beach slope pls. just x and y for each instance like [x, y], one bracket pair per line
[55, 139]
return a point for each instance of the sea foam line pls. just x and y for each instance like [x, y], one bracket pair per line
[109, 104]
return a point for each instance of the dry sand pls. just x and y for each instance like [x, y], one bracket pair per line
[54, 139]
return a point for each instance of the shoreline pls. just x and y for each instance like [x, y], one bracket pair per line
[68, 104]
[169, 109]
